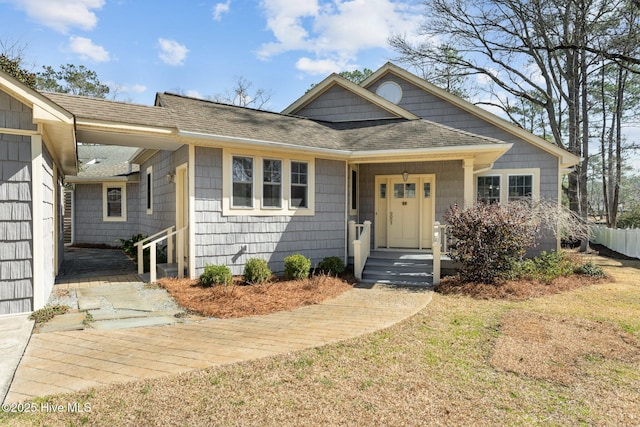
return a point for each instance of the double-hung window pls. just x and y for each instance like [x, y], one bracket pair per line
[272, 183]
[242, 168]
[263, 185]
[114, 202]
[299, 185]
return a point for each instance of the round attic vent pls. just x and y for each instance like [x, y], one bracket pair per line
[391, 91]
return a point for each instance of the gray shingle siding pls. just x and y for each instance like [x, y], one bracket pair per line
[88, 222]
[232, 240]
[16, 263]
[48, 220]
[338, 104]
[164, 194]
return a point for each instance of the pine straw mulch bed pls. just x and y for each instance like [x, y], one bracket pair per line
[241, 299]
[514, 290]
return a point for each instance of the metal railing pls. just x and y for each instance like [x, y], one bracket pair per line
[152, 243]
[359, 236]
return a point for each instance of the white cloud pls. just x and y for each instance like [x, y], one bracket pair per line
[172, 52]
[323, 66]
[62, 15]
[194, 94]
[133, 88]
[87, 50]
[220, 9]
[334, 30]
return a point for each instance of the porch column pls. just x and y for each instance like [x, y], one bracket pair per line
[467, 165]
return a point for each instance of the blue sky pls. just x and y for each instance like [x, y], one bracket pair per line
[200, 48]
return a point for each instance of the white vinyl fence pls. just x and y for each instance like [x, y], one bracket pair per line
[626, 242]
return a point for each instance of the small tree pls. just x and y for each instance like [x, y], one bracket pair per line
[491, 239]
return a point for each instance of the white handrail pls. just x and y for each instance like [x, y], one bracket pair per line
[361, 247]
[440, 246]
[141, 246]
[152, 252]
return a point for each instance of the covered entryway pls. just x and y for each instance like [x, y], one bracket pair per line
[404, 211]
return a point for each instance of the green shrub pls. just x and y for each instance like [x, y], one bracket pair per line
[490, 239]
[296, 267]
[216, 275]
[546, 267]
[332, 265]
[256, 271]
[590, 269]
[129, 245]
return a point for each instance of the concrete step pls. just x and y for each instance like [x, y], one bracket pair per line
[390, 263]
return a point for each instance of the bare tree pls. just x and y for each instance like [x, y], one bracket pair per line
[242, 96]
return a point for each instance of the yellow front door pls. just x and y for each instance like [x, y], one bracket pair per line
[404, 224]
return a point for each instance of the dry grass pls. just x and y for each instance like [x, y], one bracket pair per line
[240, 300]
[569, 358]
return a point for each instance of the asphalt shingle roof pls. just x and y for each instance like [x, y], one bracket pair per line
[97, 161]
[215, 119]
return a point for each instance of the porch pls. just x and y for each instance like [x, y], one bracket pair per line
[397, 266]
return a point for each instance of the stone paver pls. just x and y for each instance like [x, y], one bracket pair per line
[71, 361]
[65, 322]
[134, 322]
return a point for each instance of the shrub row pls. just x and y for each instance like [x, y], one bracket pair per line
[256, 270]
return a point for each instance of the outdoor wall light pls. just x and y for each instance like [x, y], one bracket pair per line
[170, 177]
[405, 176]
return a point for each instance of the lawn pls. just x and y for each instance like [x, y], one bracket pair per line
[564, 359]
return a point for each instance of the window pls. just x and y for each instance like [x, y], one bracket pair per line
[114, 202]
[261, 185]
[354, 191]
[520, 187]
[508, 185]
[150, 190]
[242, 182]
[271, 183]
[489, 189]
[299, 184]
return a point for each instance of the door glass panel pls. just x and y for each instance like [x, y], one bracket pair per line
[398, 191]
[410, 191]
[383, 191]
[427, 190]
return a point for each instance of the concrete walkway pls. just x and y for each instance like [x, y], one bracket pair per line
[60, 362]
[15, 332]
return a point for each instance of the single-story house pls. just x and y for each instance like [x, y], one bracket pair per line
[241, 183]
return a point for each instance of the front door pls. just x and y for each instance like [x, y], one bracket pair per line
[404, 211]
[404, 224]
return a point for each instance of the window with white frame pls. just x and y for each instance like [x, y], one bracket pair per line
[150, 190]
[271, 183]
[114, 202]
[242, 168]
[299, 184]
[266, 186]
[508, 185]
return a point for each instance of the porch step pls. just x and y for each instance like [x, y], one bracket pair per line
[399, 268]
[168, 270]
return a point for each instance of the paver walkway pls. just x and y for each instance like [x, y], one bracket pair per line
[59, 362]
